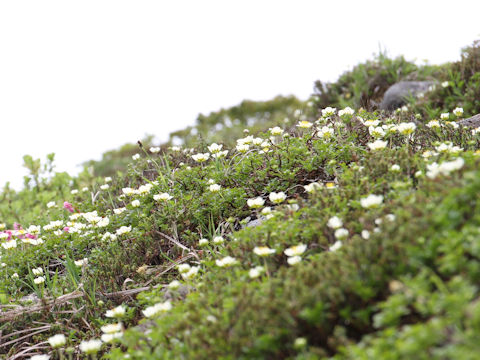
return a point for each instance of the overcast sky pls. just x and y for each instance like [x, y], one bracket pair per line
[81, 77]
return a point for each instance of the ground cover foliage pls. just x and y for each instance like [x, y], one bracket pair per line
[318, 233]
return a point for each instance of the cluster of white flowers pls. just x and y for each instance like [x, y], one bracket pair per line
[377, 145]
[346, 111]
[445, 168]
[371, 201]
[227, 261]
[156, 309]
[188, 272]
[263, 251]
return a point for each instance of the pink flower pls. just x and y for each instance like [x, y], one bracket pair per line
[17, 226]
[30, 236]
[67, 206]
[66, 229]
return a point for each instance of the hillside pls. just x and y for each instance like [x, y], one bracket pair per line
[325, 229]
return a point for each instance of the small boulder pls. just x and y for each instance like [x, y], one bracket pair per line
[396, 96]
[473, 122]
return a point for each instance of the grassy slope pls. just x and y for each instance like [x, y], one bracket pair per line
[406, 290]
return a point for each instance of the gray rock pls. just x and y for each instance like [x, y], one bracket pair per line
[396, 96]
[473, 122]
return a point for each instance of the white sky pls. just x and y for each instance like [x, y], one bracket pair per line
[81, 77]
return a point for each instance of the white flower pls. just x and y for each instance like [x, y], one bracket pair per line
[175, 148]
[341, 233]
[192, 272]
[326, 132]
[243, 148]
[123, 230]
[328, 111]
[215, 148]
[346, 111]
[117, 312]
[119, 210]
[448, 166]
[444, 116]
[376, 132]
[15, 276]
[214, 188]
[162, 197]
[108, 179]
[377, 145]
[201, 157]
[255, 272]
[294, 260]
[263, 251]
[104, 187]
[202, 242]
[338, 244]
[108, 338]
[406, 128]
[128, 191]
[365, 234]
[175, 284]
[371, 201]
[90, 346]
[334, 222]
[220, 154]
[144, 189]
[85, 189]
[37, 271]
[136, 203]
[276, 131]
[255, 203]
[433, 124]
[227, 261]
[183, 268]
[395, 167]
[154, 149]
[458, 111]
[57, 340]
[390, 217]
[305, 124]
[445, 84]
[81, 262]
[39, 280]
[312, 187]
[277, 198]
[40, 357]
[370, 123]
[452, 124]
[112, 328]
[74, 192]
[295, 250]
[136, 157]
[218, 240]
[51, 204]
[151, 311]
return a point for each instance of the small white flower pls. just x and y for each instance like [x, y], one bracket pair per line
[263, 251]
[226, 261]
[328, 111]
[51, 204]
[85, 189]
[201, 157]
[255, 272]
[341, 233]
[390, 217]
[37, 271]
[136, 157]
[304, 124]
[162, 197]
[243, 148]
[128, 191]
[276, 131]
[312, 187]
[295, 250]
[154, 149]
[458, 111]
[255, 203]
[334, 222]
[136, 203]
[112, 328]
[338, 244]
[370, 123]
[74, 191]
[326, 132]
[377, 145]
[40, 357]
[346, 111]
[277, 198]
[217, 240]
[215, 148]
[57, 340]
[156, 309]
[445, 84]
[406, 128]
[433, 124]
[183, 268]
[395, 167]
[104, 187]
[117, 312]
[39, 280]
[365, 234]
[371, 201]
[294, 260]
[444, 116]
[119, 210]
[376, 132]
[214, 188]
[108, 179]
[192, 272]
[81, 262]
[108, 338]
[123, 230]
[202, 242]
[90, 346]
